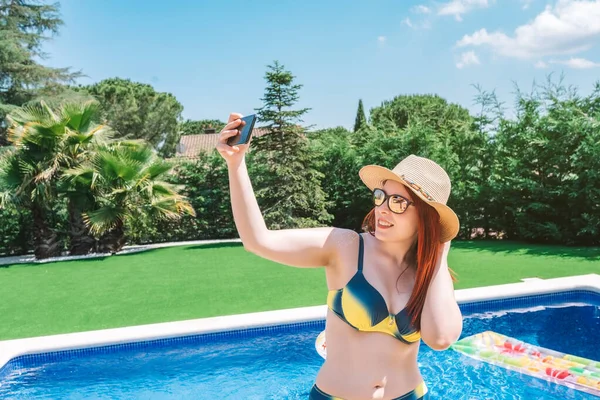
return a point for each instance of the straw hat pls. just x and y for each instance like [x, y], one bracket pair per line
[424, 178]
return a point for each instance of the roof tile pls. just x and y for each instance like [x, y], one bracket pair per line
[191, 145]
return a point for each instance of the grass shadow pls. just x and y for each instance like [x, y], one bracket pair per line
[38, 264]
[508, 247]
[213, 246]
[185, 247]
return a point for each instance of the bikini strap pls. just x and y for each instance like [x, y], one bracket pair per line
[360, 253]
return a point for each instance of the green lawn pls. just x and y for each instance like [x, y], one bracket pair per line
[188, 282]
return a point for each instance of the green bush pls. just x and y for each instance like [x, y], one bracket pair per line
[15, 231]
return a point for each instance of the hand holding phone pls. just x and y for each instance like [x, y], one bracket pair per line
[245, 129]
[234, 138]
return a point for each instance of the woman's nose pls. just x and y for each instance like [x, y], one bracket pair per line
[384, 208]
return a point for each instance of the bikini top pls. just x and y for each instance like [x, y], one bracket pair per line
[362, 307]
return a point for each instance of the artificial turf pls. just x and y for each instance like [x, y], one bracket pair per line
[186, 282]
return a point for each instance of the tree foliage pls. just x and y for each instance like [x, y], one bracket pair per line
[136, 111]
[62, 160]
[282, 167]
[533, 176]
[547, 167]
[192, 127]
[23, 26]
[361, 120]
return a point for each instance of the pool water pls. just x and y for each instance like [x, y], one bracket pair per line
[282, 364]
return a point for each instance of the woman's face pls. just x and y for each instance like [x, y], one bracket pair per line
[404, 226]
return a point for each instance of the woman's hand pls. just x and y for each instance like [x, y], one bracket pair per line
[232, 154]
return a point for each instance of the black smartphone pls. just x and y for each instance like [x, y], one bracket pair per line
[244, 136]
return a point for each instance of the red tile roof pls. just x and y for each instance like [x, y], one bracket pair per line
[191, 145]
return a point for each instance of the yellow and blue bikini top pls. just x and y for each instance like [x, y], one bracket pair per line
[362, 307]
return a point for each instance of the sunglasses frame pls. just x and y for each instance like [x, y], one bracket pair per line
[388, 197]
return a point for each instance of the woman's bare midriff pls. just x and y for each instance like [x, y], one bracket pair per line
[365, 365]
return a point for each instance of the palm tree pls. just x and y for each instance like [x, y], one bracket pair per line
[125, 180]
[20, 187]
[82, 137]
[46, 141]
[27, 169]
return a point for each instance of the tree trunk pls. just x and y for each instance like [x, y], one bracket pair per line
[3, 136]
[23, 242]
[44, 238]
[113, 240]
[81, 241]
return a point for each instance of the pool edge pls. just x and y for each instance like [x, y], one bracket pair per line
[10, 349]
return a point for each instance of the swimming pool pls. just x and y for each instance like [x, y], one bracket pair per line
[280, 362]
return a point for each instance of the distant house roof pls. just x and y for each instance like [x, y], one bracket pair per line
[190, 146]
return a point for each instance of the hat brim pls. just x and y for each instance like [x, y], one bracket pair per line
[373, 177]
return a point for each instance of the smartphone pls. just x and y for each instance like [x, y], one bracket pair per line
[244, 136]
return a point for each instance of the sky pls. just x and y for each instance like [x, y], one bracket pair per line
[213, 55]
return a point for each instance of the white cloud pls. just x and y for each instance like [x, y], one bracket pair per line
[406, 21]
[569, 27]
[381, 39]
[416, 25]
[460, 7]
[526, 3]
[577, 63]
[424, 23]
[467, 58]
[421, 9]
[541, 64]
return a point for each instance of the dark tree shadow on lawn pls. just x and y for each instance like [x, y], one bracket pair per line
[503, 246]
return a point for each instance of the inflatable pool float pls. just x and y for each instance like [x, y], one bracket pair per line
[561, 368]
[321, 345]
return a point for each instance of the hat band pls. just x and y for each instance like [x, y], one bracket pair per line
[417, 188]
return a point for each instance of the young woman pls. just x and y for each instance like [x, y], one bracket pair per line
[389, 287]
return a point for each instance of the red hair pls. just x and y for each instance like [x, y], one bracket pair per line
[422, 255]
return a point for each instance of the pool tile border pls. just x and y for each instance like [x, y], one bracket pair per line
[16, 354]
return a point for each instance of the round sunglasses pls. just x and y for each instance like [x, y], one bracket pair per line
[396, 203]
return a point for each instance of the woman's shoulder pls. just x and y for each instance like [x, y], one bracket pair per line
[344, 237]
[345, 242]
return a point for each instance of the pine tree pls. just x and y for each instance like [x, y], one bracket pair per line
[361, 119]
[23, 24]
[288, 186]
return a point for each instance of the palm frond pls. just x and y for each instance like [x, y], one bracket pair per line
[157, 169]
[10, 174]
[119, 190]
[55, 117]
[158, 188]
[6, 200]
[80, 170]
[40, 194]
[83, 174]
[101, 133]
[26, 168]
[185, 207]
[39, 133]
[47, 174]
[135, 150]
[35, 112]
[116, 167]
[80, 115]
[103, 219]
[171, 207]
[164, 208]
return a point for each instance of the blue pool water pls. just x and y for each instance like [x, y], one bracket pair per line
[281, 362]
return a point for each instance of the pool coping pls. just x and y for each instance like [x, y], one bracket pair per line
[10, 349]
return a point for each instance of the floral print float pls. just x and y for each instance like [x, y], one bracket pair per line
[564, 369]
